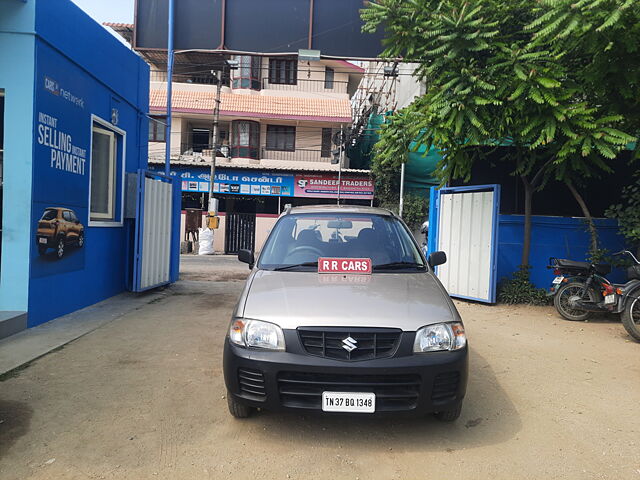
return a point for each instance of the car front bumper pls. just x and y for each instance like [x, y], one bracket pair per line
[295, 380]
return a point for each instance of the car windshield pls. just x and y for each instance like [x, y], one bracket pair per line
[49, 214]
[298, 240]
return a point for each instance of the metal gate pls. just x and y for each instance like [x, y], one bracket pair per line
[155, 230]
[463, 223]
[240, 232]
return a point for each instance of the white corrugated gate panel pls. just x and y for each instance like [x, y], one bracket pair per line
[465, 230]
[156, 233]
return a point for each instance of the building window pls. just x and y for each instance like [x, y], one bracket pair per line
[248, 73]
[245, 139]
[328, 78]
[281, 137]
[157, 129]
[326, 142]
[283, 71]
[200, 139]
[1, 133]
[103, 174]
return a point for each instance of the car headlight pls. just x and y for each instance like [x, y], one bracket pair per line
[438, 337]
[256, 334]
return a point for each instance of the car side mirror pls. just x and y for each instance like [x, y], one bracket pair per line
[437, 258]
[246, 256]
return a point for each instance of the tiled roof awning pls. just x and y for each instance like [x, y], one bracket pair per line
[256, 106]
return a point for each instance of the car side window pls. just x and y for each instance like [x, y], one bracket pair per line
[72, 216]
[66, 215]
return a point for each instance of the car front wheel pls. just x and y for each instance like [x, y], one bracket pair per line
[450, 415]
[237, 409]
[81, 239]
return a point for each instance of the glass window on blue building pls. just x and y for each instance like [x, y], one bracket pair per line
[1, 155]
[106, 174]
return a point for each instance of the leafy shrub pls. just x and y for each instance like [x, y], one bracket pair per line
[520, 290]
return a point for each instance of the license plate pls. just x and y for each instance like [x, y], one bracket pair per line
[355, 402]
[42, 240]
[557, 280]
[610, 299]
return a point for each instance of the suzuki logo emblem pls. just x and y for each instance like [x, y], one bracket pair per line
[349, 344]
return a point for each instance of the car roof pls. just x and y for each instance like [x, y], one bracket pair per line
[341, 209]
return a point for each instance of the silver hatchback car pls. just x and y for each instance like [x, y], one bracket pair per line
[342, 314]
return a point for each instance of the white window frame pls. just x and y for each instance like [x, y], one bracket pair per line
[107, 128]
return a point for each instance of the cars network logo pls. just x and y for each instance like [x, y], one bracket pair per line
[349, 344]
[51, 85]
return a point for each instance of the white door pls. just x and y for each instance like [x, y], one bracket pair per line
[466, 233]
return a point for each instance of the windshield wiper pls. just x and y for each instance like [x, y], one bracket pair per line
[398, 266]
[305, 264]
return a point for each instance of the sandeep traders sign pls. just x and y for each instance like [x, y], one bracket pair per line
[251, 182]
[326, 186]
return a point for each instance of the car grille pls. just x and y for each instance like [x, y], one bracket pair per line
[304, 390]
[370, 343]
[445, 387]
[252, 384]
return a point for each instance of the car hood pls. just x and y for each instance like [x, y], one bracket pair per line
[393, 300]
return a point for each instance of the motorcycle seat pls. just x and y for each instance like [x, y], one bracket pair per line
[562, 262]
[600, 268]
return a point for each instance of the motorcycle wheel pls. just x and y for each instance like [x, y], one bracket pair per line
[561, 301]
[631, 316]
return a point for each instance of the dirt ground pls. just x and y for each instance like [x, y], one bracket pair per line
[143, 397]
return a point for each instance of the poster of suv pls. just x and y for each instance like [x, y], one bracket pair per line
[59, 229]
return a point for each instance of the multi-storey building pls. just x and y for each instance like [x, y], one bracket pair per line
[277, 134]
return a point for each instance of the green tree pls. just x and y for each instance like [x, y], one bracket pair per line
[627, 212]
[492, 79]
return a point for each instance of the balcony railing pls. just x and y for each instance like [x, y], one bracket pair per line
[198, 78]
[298, 155]
[202, 149]
[307, 85]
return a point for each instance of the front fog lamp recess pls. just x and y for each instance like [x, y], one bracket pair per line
[440, 337]
[256, 334]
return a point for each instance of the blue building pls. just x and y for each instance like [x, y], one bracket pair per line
[73, 126]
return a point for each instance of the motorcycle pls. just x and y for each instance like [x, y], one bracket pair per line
[581, 289]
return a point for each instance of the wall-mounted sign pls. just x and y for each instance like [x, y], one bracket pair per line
[323, 185]
[238, 182]
[252, 182]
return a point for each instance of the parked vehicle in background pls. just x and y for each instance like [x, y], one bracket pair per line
[342, 313]
[57, 228]
[424, 230]
[581, 289]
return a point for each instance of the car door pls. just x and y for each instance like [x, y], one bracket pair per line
[68, 226]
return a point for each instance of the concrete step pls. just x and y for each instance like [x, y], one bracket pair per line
[12, 322]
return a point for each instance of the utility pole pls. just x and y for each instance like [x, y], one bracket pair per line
[216, 120]
[167, 136]
[341, 160]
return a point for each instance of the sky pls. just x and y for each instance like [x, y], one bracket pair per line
[119, 11]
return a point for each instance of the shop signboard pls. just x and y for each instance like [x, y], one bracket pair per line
[235, 182]
[323, 185]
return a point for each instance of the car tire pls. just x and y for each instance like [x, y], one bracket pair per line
[60, 246]
[80, 240]
[450, 415]
[42, 249]
[561, 302]
[237, 409]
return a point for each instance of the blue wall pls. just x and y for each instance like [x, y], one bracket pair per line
[560, 237]
[17, 51]
[82, 70]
